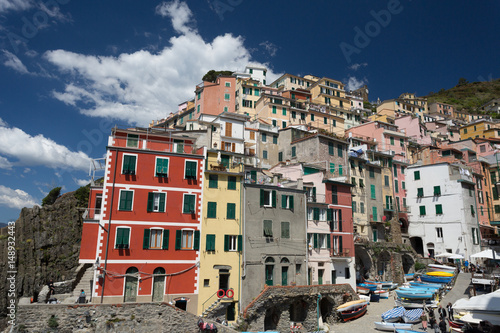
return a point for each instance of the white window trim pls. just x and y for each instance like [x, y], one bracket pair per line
[136, 162]
[138, 139]
[156, 164]
[183, 198]
[235, 243]
[116, 235]
[185, 163]
[182, 237]
[270, 199]
[120, 199]
[161, 238]
[164, 206]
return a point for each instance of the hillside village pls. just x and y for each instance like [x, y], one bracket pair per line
[294, 182]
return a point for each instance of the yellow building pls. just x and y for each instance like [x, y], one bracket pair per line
[477, 129]
[248, 92]
[221, 240]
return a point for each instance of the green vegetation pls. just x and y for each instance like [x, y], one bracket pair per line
[468, 96]
[419, 266]
[212, 75]
[82, 195]
[53, 323]
[52, 196]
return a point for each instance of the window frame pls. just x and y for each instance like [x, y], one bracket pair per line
[125, 246]
[134, 172]
[163, 175]
[130, 138]
[186, 176]
[160, 209]
[184, 203]
[120, 200]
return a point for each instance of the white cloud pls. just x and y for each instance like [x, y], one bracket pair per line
[2, 122]
[14, 62]
[142, 86]
[38, 150]
[6, 5]
[270, 48]
[353, 83]
[81, 182]
[5, 163]
[55, 12]
[357, 66]
[15, 198]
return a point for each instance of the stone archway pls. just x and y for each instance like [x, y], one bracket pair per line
[418, 245]
[363, 263]
[383, 261]
[408, 263]
[326, 308]
[271, 319]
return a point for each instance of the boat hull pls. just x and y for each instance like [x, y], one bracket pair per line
[443, 268]
[435, 279]
[440, 273]
[351, 305]
[390, 327]
[353, 314]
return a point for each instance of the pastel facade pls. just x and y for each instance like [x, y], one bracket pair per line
[215, 97]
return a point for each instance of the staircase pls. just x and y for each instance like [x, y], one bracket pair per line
[210, 308]
[83, 284]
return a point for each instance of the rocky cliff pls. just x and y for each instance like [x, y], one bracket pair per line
[47, 247]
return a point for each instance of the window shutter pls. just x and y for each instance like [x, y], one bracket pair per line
[315, 240]
[186, 209]
[178, 239]
[253, 175]
[316, 213]
[340, 220]
[420, 192]
[372, 190]
[125, 237]
[328, 241]
[231, 211]
[159, 166]
[212, 210]
[233, 147]
[416, 175]
[261, 197]
[437, 190]
[164, 170]
[340, 245]
[162, 202]
[274, 199]
[439, 209]
[240, 243]
[119, 238]
[150, 201]
[231, 183]
[329, 214]
[290, 202]
[196, 245]
[145, 240]
[226, 243]
[422, 210]
[166, 238]
[128, 201]
[283, 201]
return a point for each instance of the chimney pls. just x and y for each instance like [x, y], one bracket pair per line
[275, 180]
[300, 184]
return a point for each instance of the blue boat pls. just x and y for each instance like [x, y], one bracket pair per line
[414, 294]
[433, 289]
[410, 276]
[426, 284]
[413, 316]
[370, 286]
[435, 279]
[393, 315]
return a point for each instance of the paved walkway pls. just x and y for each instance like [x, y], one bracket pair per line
[375, 310]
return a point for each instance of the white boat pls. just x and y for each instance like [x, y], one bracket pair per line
[413, 316]
[383, 326]
[417, 304]
[351, 305]
[482, 307]
[443, 268]
[384, 294]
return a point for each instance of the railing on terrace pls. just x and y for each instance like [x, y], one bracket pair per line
[345, 252]
[92, 214]
[157, 145]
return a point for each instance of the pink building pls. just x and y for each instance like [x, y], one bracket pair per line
[215, 97]
[414, 129]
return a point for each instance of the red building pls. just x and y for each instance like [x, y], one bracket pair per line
[142, 228]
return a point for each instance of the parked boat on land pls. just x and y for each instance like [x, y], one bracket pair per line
[440, 273]
[383, 326]
[412, 303]
[351, 305]
[414, 294]
[353, 313]
[443, 268]
[413, 316]
[435, 279]
[393, 315]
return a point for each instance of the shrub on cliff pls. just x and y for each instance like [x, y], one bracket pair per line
[52, 196]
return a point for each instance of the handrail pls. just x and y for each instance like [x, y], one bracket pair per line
[203, 305]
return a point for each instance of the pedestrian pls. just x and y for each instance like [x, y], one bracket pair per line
[424, 321]
[432, 318]
[466, 264]
[442, 312]
[82, 298]
[436, 328]
[449, 307]
[52, 289]
[442, 325]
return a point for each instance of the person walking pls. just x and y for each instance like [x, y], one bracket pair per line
[442, 312]
[466, 264]
[424, 321]
[449, 307]
[442, 325]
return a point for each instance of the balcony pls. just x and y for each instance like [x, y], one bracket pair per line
[343, 253]
[167, 145]
[92, 214]
[375, 219]
[389, 207]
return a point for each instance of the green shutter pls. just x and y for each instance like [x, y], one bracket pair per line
[315, 237]
[420, 192]
[119, 238]
[213, 181]
[231, 183]
[253, 175]
[162, 202]
[283, 201]
[316, 213]
[328, 241]
[210, 243]
[341, 250]
[329, 214]
[339, 151]
[159, 166]
[166, 238]
[437, 190]
[190, 172]
[372, 172]
[125, 200]
[416, 175]
[495, 193]
[268, 228]
[472, 210]
[240, 243]
[372, 191]
[231, 211]
[196, 245]
[395, 170]
[422, 210]
[290, 202]
[274, 199]
[151, 196]
[145, 240]
[212, 210]
[178, 239]
[226, 243]
[285, 230]
[396, 186]
[330, 148]
[374, 213]
[262, 197]
[439, 209]
[340, 219]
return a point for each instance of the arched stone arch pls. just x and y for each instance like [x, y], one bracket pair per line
[271, 319]
[363, 262]
[408, 263]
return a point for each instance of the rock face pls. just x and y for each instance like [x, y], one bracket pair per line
[47, 247]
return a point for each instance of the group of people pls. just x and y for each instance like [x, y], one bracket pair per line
[429, 318]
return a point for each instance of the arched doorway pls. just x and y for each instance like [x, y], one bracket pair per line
[131, 285]
[430, 250]
[284, 271]
[271, 319]
[404, 225]
[158, 284]
[417, 244]
[269, 271]
[408, 263]
[363, 263]
[383, 260]
[326, 306]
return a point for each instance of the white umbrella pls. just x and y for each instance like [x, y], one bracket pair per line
[487, 254]
[443, 255]
[456, 256]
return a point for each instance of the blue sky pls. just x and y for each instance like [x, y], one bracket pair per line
[70, 70]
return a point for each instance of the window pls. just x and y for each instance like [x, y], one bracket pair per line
[374, 214]
[334, 123]
[283, 124]
[402, 142]
[437, 190]
[362, 207]
[227, 97]
[480, 197]
[416, 175]
[294, 114]
[283, 111]
[231, 211]
[232, 243]
[122, 240]
[264, 137]
[187, 240]
[212, 210]
[353, 181]
[395, 167]
[126, 198]
[420, 192]
[275, 139]
[129, 162]
[294, 151]
[386, 180]
[475, 236]
[197, 110]
[287, 202]
[335, 200]
[231, 183]
[312, 117]
[285, 230]
[154, 238]
[280, 156]
[188, 206]
[132, 140]
[354, 210]
[422, 210]
[161, 169]
[228, 84]
[340, 170]
[497, 209]
[199, 94]
[213, 181]
[325, 120]
[392, 140]
[403, 185]
[156, 202]
[439, 209]
[257, 92]
[210, 243]
[274, 109]
[339, 151]
[267, 198]
[268, 228]
[472, 212]
[190, 170]
[275, 123]
[439, 233]
[361, 183]
[396, 186]
[302, 116]
[372, 191]
[372, 172]
[330, 148]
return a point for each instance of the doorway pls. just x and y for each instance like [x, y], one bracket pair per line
[224, 279]
[334, 277]
[131, 285]
[158, 284]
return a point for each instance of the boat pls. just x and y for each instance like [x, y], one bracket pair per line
[384, 294]
[443, 268]
[393, 315]
[362, 290]
[410, 276]
[413, 316]
[365, 298]
[430, 289]
[412, 304]
[353, 313]
[435, 279]
[456, 323]
[369, 286]
[414, 294]
[384, 284]
[383, 326]
[407, 331]
[426, 284]
[440, 273]
[351, 305]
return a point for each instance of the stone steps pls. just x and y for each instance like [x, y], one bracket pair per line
[83, 284]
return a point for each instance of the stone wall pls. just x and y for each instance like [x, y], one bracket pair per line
[276, 307]
[137, 317]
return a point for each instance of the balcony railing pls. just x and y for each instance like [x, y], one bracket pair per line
[92, 214]
[340, 252]
[156, 145]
